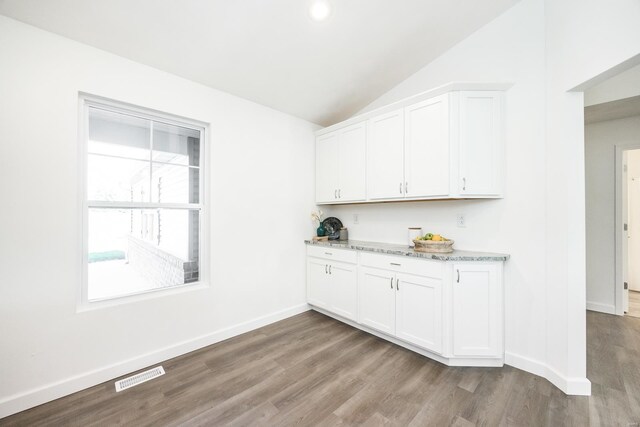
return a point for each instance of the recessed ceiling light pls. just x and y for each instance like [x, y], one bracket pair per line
[320, 10]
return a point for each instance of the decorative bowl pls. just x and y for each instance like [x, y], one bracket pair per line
[438, 247]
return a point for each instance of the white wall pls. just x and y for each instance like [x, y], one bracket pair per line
[546, 48]
[260, 187]
[578, 54]
[509, 49]
[600, 141]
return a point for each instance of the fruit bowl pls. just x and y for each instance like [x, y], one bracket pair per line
[434, 246]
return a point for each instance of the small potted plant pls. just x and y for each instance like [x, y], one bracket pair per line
[317, 216]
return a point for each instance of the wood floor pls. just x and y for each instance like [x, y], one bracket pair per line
[313, 370]
[634, 304]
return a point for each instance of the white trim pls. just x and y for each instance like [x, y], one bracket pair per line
[491, 362]
[142, 205]
[602, 308]
[85, 101]
[440, 90]
[571, 386]
[37, 396]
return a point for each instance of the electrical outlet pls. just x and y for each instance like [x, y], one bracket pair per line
[356, 218]
[461, 221]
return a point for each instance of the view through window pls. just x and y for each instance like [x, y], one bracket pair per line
[143, 199]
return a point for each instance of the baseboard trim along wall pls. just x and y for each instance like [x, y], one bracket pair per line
[49, 392]
[572, 386]
[602, 308]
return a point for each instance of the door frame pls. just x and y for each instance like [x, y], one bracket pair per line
[619, 224]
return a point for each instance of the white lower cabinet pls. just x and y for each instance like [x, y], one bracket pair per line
[453, 310]
[406, 306]
[419, 311]
[476, 310]
[377, 299]
[332, 285]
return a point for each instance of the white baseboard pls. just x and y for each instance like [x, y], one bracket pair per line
[20, 402]
[572, 386]
[602, 308]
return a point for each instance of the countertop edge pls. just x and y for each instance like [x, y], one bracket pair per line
[394, 249]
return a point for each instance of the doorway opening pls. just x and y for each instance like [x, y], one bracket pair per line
[612, 172]
[629, 212]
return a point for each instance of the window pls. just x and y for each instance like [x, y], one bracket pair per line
[143, 199]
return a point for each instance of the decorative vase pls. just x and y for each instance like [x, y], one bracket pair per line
[321, 231]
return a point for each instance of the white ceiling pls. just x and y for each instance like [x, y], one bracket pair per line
[269, 51]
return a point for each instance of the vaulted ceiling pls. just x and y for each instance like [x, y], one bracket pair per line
[270, 51]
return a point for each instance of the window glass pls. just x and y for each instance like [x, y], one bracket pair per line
[136, 166]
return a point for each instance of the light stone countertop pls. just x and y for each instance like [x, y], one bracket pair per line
[402, 250]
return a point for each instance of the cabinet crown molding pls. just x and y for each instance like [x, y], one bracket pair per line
[439, 90]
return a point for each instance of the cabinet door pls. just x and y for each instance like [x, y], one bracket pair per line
[376, 299]
[352, 163]
[419, 311]
[318, 284]
[480, 143]
[477, 313]
[385, 156]
[327, 167]
[427, 148]
[344, 281]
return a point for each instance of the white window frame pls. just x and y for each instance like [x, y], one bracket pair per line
[85, 102]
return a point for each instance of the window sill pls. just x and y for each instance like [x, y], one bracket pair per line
[85, 306]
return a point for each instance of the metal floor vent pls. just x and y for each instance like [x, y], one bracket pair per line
[139, 378]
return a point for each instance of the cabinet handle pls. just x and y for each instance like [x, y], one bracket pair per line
[392, 283]
[329, 269]
[458, 271]
[325, 269]
[397, 284]
[464, 184]
[406, 187]
[339, 195]
[335, 194]
[394, 263]
[328, 253]
[400, 188]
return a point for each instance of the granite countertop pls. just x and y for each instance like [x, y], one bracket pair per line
[402, 250]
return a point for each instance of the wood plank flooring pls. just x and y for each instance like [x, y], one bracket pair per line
[312, 370]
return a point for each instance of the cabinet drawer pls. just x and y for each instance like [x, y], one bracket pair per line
[401, 264]
[329, 253]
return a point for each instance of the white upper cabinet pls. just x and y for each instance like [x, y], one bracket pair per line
[385, 156]
[480, 147]
[426, 148]
[352, 184]
[327, 168]
[442, 144]
[341, 165]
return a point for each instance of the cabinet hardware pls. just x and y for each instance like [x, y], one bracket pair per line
[325, 269]
[406, 187]
[400, 188]
[392, 283]
[397, 284]
[458, 276]
[335, 194]
[328, 253]
[339, 195]
[329, 269]
[394, 263]
[464, 184]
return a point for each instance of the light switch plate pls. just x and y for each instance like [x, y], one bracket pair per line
[356, 218]
[461, 221]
